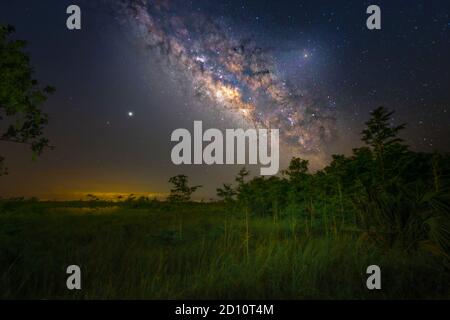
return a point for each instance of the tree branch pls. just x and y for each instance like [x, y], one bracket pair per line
[23, 142]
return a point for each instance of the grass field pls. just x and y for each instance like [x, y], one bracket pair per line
[197, 251]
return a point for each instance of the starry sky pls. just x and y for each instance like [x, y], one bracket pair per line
[137, 70]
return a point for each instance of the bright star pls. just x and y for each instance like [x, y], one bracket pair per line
[130, 114]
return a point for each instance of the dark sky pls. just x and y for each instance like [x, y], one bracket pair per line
[310, 68]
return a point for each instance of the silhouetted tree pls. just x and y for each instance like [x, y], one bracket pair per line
[380, 134]
[227, 193]
[297, 169]
[181, 192]
[20, 97]
[389, 193]
[240, 178]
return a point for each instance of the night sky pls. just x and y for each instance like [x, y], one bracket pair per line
[138, 70]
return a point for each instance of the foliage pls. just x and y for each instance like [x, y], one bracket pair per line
[21, 97]
[226, 193]
[298, 236]
[142, 253]
[181, 192]
[387, 193]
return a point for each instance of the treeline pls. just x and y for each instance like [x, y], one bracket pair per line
[384, 191]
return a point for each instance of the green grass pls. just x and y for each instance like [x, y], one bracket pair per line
[198, 251]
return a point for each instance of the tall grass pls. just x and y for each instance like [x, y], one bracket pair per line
[200, 251]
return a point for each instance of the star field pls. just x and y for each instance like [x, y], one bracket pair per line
[138, 70]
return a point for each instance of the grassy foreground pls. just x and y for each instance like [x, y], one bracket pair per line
[197, 251]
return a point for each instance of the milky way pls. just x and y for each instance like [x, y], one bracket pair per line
[309, 68]
[234, 74]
